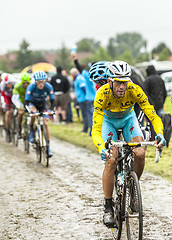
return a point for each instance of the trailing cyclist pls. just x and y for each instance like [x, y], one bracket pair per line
[18, 98]
[7, 86]
[36, 100]
[97, 73]
[113, 110]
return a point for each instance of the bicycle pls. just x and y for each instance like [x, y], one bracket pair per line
[25, 131]
[13, 128]
[128, 200]
[2, 122]
[41, 139]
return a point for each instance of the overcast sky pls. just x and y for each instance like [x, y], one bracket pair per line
[48, 24]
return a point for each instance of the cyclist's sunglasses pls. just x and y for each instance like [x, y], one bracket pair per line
[42, 81]
[101, 82]
[26, 83]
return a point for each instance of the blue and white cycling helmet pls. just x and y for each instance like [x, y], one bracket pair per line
[40, 75]
[118, 71]
[98, 72]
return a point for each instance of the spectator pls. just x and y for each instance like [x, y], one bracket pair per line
[61, 86]
[80, 91]
[90, 89]
[156, 91]
[70, 93]
[155, 88]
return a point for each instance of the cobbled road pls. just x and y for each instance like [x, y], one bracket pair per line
[65, 201]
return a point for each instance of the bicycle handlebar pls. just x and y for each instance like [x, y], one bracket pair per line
[41, 113]
[134, 144]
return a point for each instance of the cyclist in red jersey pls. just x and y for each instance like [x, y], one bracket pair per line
[7, 85]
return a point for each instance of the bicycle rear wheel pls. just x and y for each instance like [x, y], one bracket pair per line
[44, 148]
[133, 211]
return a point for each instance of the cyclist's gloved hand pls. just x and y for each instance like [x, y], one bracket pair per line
[162, 139]
[103, 154]
[33, 112]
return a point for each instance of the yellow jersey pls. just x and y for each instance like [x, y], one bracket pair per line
[106, 104]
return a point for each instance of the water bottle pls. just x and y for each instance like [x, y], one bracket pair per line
[74, 48]
[120, 181]
[120, 178]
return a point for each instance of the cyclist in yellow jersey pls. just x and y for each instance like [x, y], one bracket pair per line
[113, 110]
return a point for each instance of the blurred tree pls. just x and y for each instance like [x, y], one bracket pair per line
[4, 65]
[160, 48]
[63, 58]
[142, 57]
[133, 42]
[100, 55]
[87, 45]
[164, 54]
[111, 47]
[127, 57]
[24, 55]
[38, 56]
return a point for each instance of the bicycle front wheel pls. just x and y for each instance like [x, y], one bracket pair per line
[117, 230]
[37, 144]
[44, 148]
[26, 136]
[14, 135]
[26, 143]
[118, 206]
[133, 211]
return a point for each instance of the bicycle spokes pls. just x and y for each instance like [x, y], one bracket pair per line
[133, 213]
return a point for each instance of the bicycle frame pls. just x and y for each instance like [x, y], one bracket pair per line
[41, 141]
[14, 124]
[126, 185]
[39, 123]
[25, 130]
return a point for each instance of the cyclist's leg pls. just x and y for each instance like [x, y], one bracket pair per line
[139, 157]
[45, 119]
[31, 135]
[19, 120]
[108, 130]
[132, 133]
[8, 114]
[47, 128]
[1, 114]
[108, 178]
